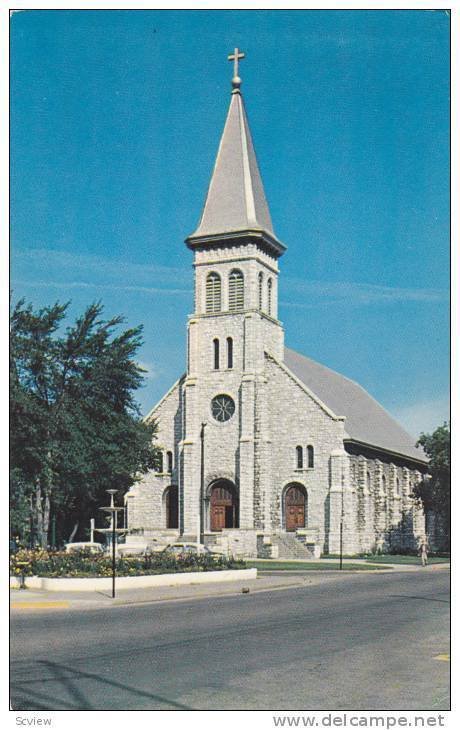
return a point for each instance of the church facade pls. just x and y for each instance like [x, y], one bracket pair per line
[265, 452]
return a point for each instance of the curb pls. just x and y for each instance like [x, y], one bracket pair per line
[139, 581]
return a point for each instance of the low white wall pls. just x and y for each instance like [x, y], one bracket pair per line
[137, 581]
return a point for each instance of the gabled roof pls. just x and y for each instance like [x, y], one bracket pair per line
[366, 421]
[236, 199]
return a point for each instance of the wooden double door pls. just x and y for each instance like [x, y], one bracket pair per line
[295, 507]
[223, 506]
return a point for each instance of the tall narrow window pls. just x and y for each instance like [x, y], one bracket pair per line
[398, 487]
[236, 291]
[310, 457]
[229, 352]
[216, 353]
[169, 458]
[368, 482]
[269, 296]
[384, 484]
[172, 507]
[261, 282]
[299, 457]
[213, 293]
[159, 462]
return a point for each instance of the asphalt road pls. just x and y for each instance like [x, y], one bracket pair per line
[364, 642]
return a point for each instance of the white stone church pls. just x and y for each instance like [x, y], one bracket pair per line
[266, 452]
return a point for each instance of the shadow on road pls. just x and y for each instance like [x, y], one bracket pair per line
[24, 697]
[422, 598]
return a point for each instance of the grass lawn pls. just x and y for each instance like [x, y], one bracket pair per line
[404, 559]
[309, 565]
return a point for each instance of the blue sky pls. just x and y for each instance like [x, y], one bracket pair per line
[115, 122]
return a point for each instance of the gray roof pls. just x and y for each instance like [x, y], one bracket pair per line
[236, 199]
[366, 420]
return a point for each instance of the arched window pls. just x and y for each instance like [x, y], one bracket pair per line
[169, 458]
[215, 343]
[213, 292]
[236, 291]
[229, 352]
[159, 462]
[261, 281]
[299, 457]
[269, 296]
[310, 457]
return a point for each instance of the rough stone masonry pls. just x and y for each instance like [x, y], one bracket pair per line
[266, 452]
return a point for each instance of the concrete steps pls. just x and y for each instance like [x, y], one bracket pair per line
[289, 546]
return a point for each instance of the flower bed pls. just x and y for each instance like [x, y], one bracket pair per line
[84, 565]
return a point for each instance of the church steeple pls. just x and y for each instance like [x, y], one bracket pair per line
[236, 205]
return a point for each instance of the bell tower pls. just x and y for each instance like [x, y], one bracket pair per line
[236, 257]
[234, 323]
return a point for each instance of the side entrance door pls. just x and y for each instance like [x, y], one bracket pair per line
[222, 508]
[294, 508]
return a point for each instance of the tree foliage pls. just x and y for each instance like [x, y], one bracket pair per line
[434, 493]
[75, 425]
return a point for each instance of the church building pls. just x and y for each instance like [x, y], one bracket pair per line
[265, 452]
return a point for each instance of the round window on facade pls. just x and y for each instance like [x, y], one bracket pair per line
[222, 408]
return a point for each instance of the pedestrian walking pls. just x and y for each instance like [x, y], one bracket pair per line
[424, 553]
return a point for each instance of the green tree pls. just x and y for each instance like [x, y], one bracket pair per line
[434, 493]
[75, 426]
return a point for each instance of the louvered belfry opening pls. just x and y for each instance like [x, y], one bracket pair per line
[213, 293]
[236, 291]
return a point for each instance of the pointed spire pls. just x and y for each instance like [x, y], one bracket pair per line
[236, 201]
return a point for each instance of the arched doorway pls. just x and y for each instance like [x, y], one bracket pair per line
[223, 507]
[295, 507]
[172, 507]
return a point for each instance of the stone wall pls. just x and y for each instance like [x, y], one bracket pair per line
[387, 518]
[297, 418]
[145, 500]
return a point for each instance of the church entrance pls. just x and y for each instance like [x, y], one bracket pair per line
[295, 507]
[223, 506]
[172, 507]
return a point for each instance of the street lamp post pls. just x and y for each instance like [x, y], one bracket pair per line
[112, 510]
[203, 426]
[341, 531]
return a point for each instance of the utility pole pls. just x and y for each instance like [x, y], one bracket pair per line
[203, 426]
[341, 531]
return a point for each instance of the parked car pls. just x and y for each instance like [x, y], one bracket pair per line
[190, 548]
[132, 551]
[92, 547]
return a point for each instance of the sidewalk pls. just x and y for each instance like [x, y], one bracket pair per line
[397, 567]
[25, 601]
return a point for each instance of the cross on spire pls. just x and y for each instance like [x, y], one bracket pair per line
[235, 57]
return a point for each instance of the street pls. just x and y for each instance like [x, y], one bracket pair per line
[365, 642]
